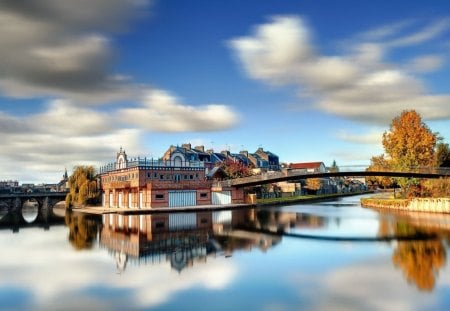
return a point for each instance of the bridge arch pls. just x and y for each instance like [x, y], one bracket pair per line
[30, 210]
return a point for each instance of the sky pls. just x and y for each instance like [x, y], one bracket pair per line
[310, 80]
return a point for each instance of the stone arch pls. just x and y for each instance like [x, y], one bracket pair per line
[30, 210]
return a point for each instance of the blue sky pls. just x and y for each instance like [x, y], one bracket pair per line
[307, 80]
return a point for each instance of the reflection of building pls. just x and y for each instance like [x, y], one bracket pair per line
[179, 238]
[184, 239]
[145, 183]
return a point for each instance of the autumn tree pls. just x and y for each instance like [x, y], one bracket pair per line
[82, 186]
[235, 169]
[379, 164]
[314, 184]
[409, 144]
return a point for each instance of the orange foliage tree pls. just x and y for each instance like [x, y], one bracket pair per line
[410, 144]
[379, 164]
[82, 186]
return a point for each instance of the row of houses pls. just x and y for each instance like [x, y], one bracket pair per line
[260, 159]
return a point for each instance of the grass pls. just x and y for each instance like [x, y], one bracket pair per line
[304, 198]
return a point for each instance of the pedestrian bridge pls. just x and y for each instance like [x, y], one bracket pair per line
[349, 171]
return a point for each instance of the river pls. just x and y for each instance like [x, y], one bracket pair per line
[331, 255]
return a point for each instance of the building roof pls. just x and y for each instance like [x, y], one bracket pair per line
[306, 165]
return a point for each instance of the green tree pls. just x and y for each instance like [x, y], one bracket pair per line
[442, 155]
[82, 186]
[410, 144]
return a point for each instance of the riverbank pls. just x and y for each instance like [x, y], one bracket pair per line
[305, 199]
[428, 205]
[100, 210]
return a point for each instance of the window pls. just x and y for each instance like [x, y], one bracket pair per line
[159, 196]
[203, 195]
[161, 177]
[159, 224]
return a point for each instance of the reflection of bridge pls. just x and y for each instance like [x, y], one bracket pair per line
[18, 210]
[293, 175]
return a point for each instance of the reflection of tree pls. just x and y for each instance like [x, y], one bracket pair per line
[420, 261]
[82, 230]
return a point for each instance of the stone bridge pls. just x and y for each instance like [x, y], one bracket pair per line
[16, 201]
[28, 209]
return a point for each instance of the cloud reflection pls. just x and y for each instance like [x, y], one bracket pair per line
[82, 279]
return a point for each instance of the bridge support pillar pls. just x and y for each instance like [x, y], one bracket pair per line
[17, 204]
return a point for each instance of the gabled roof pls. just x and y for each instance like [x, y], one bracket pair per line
[306, 165]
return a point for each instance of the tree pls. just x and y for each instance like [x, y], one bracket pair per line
[235, 169]
[334, 167]
[314, 184]
[379, 164]
[442, 155]
[410, 144]
[82, 186]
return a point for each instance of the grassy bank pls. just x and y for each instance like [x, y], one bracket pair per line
[305, 198]
[384, 202]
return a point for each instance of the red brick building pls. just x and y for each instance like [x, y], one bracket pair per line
[148, 183]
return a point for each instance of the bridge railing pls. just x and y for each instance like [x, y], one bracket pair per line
[274, 175]
[151, 163]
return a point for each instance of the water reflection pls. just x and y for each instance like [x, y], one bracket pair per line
[185, 239]
[30, 210]
[29, 215]
[83, 229]
[420, 261]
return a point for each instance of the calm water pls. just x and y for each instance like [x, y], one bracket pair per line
[324, 256]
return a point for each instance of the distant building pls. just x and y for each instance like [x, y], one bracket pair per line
[178, 179]
[261, 159]
[309, 167]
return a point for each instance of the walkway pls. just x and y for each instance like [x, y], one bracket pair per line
[100, 210]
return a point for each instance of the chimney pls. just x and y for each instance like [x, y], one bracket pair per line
[186, 146]
[244, 152]
[200, 148]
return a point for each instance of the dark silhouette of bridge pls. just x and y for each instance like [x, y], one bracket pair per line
[296, 175]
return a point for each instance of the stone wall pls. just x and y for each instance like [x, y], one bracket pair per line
[430, 205]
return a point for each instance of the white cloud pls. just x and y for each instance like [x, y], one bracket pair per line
[359, 85]
[162, 112]
[426, 63]
[371, 138]
[40, 146]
